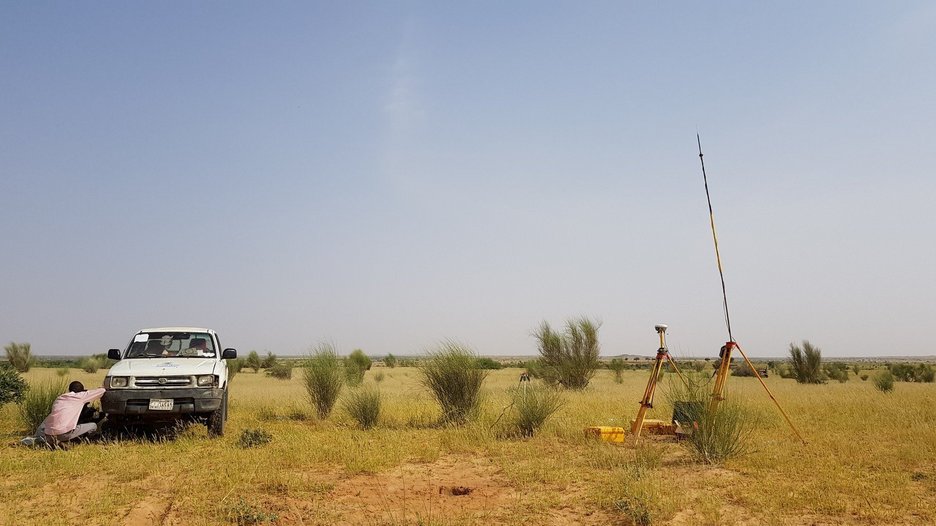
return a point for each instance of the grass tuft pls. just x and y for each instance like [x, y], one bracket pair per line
[364, 406]
[37, 402]
[253, 438]
[452, 375]
[322, 377]
[534, 406]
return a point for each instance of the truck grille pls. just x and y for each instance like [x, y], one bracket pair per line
[163, 381]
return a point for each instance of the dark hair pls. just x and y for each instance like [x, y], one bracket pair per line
[76, 387]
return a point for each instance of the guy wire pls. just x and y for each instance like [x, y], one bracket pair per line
[721, 273]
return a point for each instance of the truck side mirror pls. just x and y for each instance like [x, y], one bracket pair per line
[113, 354]
[229, 354]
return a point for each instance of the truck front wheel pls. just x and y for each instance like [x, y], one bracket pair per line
[217, 418]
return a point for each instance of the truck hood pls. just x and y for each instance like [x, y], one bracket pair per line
[163, 367]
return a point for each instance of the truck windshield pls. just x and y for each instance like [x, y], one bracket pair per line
[171, 344]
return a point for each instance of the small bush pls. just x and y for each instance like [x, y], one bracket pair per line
[905, 372]
[489, 364]
[806, 363]
[864, 377]
[234, 367]
[89, 365]
[837, 371]
[720, 431]
[452, 376]
[253, 361]
[37, 402]
[379, 377]
[254, 438]
[569, 359]
[364, 406]
[857, 368]
[390, 361]
[62, 371]
[884, 381]
[12, 385]
[534, 406]
[281, 370]
[617, 366]
[242, 513]
[268, 361]
[20, 356]
[322, 377]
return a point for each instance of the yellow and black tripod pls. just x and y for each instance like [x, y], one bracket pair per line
[647, 401]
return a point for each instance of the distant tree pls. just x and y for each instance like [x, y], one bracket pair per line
[856, 368]
[390, 361]
[253, 361]
[489, 363]
[617, 365]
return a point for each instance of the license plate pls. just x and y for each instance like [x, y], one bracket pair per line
[160, 404]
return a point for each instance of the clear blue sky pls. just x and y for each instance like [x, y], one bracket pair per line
[385, 175]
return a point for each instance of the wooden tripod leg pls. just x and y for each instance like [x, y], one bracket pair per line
[761, 380]
[721, 376]
[647, 401]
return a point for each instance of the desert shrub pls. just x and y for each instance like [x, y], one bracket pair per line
[864, 377]
[37, 402]
[534, 405]
[905, 372]
[379, 377]
[489, 364]
[243, 513]
[452, 375]
[856, 368]
[253, 361]
[254, 438]
[806, 363]
[62, 371]
[268, 361]
[364, 406]
[12, 385]
[20, 356]
[569, 359]
[90, 365]
[358, 357]
[390, 361]
[617, 366]
[720, 431]
[925, 373]
[836, 371]
[884, 381]
[355, 365]
[742, 370]
[281, 370]
[234, 367]
[322, 378]
[698, 366]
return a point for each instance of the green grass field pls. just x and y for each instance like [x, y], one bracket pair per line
[870, 459]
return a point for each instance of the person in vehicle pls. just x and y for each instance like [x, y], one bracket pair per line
[62, 424]
[198, 347]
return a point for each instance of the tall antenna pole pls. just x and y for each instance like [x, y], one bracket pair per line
[721, 273]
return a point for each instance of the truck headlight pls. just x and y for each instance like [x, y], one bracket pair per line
[206, 380]
[118, 381]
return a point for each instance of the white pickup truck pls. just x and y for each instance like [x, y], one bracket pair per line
[169, 373]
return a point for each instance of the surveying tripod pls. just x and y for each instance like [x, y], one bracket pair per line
[647, 401]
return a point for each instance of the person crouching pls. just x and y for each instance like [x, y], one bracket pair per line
[62, 424]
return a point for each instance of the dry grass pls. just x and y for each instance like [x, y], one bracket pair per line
[871, 459]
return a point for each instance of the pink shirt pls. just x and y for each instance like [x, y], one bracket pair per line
[67, 408]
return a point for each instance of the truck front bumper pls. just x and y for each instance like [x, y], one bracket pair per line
[184, 401]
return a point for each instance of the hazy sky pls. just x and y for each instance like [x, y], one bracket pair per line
[385, 175]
